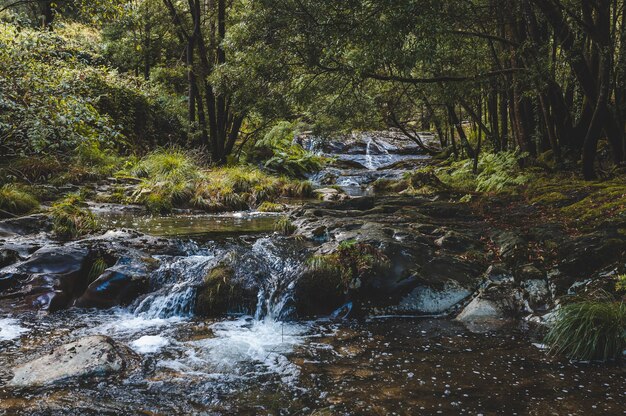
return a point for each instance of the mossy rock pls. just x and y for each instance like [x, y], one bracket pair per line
[221, 293]
[319, 292]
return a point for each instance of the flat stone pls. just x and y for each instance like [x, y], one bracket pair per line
[88, 357]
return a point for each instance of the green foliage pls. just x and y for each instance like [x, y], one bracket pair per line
[284, 226]
[279, 154]
[349, 263]
[497, 172]
[16, 201]
[55, 96]
[71, 218]
[620, 285]
[174, 178]
[589, 330]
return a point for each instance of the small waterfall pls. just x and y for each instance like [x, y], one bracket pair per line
[369, 160]
[177, 280]
[276, 294]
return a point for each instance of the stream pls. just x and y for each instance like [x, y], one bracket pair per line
[267, 361]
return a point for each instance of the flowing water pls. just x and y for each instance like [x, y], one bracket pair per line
[267, 361]
[369, 156]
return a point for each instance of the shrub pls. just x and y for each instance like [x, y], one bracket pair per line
[589, 330]
[16, 201]
[57, 94]
[71, 218]
[279, 154]
[497, 172]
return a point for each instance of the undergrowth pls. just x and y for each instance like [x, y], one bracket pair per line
[175, 178]
[71, 218]
[15, 201]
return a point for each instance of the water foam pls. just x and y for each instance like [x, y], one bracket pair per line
[11, 329]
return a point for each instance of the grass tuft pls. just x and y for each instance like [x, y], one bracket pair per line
[71, 219]
[285, 226]
[589, 330]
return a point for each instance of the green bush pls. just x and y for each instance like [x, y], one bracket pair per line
[16, 201]
[57, 95]
[279, 154]
[589, 330]
[497, 172]
[71, 218]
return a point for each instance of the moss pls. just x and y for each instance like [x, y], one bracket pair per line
[582, 204]
[270, 207]
[71, 219]
[16, 201]
[549, 198]
[390, 185]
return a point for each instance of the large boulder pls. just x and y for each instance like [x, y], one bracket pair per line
[221, 291]
[494, 303]
[48, 280]
[118, 285]
[93, 356]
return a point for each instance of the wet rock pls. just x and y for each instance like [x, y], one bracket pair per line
[496, 302]
[8, 257]
[430, 300]
[498, 273]
[318, 294]
[118, 285]
[48, 280]
[537, 293]
[583, 256]
[30, 224]
[529, 272]
[457, 242]
[226, 288]
[93, 356]
[512, 246]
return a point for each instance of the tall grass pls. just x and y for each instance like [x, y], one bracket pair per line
[71, 218]
[589, 330]
[15, 201]
[175, 178]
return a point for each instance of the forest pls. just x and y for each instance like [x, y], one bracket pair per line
[312, 207]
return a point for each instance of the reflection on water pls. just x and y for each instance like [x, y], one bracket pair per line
[188, 225]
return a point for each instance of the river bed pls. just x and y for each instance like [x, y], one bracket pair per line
[272, 363]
